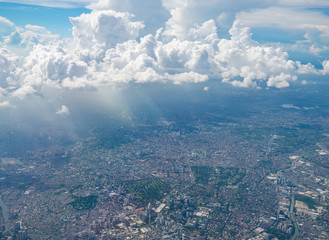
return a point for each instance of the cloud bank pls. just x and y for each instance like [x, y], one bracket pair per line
[107, 48]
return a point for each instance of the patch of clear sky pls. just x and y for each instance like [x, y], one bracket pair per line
[55, 20]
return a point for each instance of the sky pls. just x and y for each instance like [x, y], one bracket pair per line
[48, 46]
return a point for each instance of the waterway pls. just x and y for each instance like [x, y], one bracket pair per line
[293, 218]
[4, 214]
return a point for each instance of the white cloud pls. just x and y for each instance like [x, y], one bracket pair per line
[8, 67]
[36, 28]
[132, 6]
[186, 13]
[325, 65]
[147, 60]
[23, 91]
[207, 30]
[107, 48]
[186, 77]
[52, 64]
[313, 24]
[306, 68]
[241, 57]
[151, 13]
[280, 16]
[315, 50]
[6, 26]
[203, 56]
[281, 81]
[4, 104]
[109, 4]
[63, 111]
[290, 106]
[24, 38]
[104, 27]
[29, 37]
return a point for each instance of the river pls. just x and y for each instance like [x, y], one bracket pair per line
[4, 214]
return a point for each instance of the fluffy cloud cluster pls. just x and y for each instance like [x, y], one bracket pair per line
[26, 37]
[102, 60]
[105, 27]
[107, 48]
[8, 65]
[29, 36]
[185, 13]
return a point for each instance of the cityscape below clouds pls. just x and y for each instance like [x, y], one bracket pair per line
[164, 119]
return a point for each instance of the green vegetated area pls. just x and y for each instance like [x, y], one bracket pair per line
[84, 203]
[222, 176]
[230, 176]
[147, 189]
[202, 174]
[278, 234]
[311, 204]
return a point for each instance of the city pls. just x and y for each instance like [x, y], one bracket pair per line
[219, 176]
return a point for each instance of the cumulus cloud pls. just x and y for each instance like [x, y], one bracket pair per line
[51, 65]
[104, 27]
[242, 57]
[8, 68]
[281, 81]
[120, 60]
[108, 48]
[306, 68]
[24, 37]
[186, 13]
[63, 111]
[151, 13]
[325, 65]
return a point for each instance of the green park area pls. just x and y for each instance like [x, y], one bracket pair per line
[220, 175]
[147, 189]
[84, 203]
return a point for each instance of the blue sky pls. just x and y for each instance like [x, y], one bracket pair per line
[54, 19]
[91, 44]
